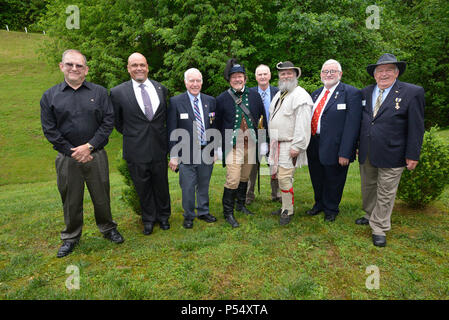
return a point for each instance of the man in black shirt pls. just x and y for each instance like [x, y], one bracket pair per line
[77, 118]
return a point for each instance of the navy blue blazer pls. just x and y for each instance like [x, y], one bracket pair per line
[340, 124]
[273, 91]
[180, 116]
[226, 114]
[397, 131]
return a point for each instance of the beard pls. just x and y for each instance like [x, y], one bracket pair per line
[288, 84]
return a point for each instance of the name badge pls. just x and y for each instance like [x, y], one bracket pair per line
[183, 116]
[341, 106]
[363, 102]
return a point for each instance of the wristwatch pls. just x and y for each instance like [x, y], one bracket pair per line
[91, 148]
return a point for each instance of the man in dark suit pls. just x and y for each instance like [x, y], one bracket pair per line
[189, 117]
[239, 112]
[267, 93]
[391, 137]
[141, 116]
[336, 116]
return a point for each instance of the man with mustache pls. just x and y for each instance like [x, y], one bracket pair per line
[336, 116]
[391, 137]
[239, 111]
[289, 131]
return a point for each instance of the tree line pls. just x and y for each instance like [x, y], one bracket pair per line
[175, 35]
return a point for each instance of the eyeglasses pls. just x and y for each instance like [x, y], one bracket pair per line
[71, 65]
[329, 71]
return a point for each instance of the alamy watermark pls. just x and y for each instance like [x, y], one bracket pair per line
[73, 20]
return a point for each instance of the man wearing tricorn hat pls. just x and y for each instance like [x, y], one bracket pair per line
[238, 113]
[289, 131]
[391, 136]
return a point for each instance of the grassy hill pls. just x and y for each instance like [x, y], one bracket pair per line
[308, 259]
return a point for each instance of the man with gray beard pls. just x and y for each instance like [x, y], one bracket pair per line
[289, 131]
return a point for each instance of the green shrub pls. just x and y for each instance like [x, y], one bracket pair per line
[129, 194]
[427, 182]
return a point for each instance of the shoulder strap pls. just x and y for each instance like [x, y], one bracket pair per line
[238, 101]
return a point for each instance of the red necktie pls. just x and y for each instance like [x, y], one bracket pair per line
[316, 114]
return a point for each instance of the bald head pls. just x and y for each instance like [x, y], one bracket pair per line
[138, 67]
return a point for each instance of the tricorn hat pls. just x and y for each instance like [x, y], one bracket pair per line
[387, 58]
[232, 66]
[288, 65]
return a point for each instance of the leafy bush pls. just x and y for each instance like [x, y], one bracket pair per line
[426, 183]
[129, 194]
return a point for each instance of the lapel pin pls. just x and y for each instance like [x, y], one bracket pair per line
[92, 99]
[336, 95]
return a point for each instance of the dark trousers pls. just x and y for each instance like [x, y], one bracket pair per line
[151, 183]
[328, 181]
[194, 181]
[71, 177]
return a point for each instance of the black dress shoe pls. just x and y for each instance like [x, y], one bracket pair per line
[207, 217]
[329, 217]
[114, 236]
[188, 224]
[164, 225]
[66, 248]
[313, 212]
[362, 221]
[148, 228]
[379, 241]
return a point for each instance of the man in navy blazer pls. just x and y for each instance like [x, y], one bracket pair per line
[189, 118]
[140, 111]
[391, 137]
[267, 93]
[336, 119]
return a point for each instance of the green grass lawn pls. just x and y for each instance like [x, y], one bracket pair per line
[307, 259]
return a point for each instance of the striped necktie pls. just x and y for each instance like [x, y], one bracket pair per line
[378, 102]
[199, 122]
[317, 113]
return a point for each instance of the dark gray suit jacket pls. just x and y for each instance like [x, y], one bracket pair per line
[144, 141]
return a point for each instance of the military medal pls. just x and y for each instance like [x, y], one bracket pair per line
[397, 103]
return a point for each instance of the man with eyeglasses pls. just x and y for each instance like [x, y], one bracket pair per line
[337, 112]
[391, 137]
[77, 118]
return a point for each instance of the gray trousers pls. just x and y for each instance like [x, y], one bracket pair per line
[71, 177]
[379, 187]
[194, 180]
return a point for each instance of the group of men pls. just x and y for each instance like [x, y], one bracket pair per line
[324, 130]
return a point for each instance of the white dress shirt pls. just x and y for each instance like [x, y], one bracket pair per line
[151, 92]
[331, 92]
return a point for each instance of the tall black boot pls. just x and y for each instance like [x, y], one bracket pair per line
[241, 197]
[228, 206]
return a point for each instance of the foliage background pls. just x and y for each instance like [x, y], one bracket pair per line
[176, 35]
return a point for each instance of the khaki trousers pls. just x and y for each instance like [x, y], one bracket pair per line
[237, 167]
[285, 178]
[379, 187]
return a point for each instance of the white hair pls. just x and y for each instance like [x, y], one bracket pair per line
[73, 51]
[332, 61]
[262, 66]
[192, 70]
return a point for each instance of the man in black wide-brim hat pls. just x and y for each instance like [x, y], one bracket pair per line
[391, 136]
[238, 114]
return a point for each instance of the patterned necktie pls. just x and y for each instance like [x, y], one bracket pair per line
[317, 113]
[378, 102]
[146, 102]
[199, 122]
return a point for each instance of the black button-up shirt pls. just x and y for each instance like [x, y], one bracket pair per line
[71, 118]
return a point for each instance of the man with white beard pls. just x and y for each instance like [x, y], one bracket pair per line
[289, 131]
[336, 118]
